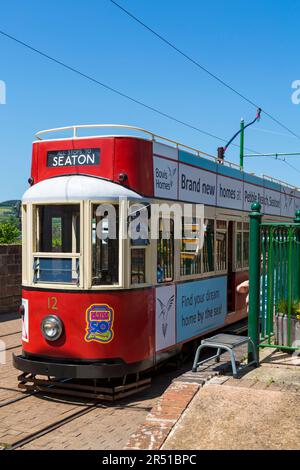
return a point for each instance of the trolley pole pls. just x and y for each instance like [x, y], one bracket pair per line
[241, 131]
[254, 278]
[242, 144]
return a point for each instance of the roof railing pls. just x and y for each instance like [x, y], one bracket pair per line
[275, 180]
[154, 137]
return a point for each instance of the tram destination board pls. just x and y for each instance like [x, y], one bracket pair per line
[78, 157]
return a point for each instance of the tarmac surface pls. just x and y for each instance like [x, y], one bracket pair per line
[261, 410]
[233, 417]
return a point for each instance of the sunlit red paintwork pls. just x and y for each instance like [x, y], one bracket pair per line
[133, 325]
[134, 318]
[118, 155]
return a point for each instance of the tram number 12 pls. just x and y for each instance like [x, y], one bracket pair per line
[52, 303]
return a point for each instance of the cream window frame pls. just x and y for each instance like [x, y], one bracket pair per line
[148, 257]
[88, 245]
[242, 231]
[176, 260]
[33, 222]
[221, 230]
[202, 273]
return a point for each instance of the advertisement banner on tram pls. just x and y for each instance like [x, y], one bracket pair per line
[201, 306]
[165, 317]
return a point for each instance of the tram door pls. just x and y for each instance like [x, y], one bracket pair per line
[231, 275]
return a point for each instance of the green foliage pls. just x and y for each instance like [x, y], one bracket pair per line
[296, 308]
[282, 307]
[10, 210]
[9, 233]
[56, 243]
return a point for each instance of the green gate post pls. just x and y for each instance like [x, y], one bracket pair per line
[254, 278]
[297, 217]
[296, 282]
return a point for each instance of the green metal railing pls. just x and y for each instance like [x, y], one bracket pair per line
[274, 283]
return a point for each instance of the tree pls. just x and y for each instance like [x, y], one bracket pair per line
[9, 233]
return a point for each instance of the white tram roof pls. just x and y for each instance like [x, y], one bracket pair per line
[76, 188]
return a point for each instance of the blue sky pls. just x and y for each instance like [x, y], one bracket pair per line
[252, 45]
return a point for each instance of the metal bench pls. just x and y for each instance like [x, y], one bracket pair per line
[227, 343]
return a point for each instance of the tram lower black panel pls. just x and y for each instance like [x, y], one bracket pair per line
[78, 370]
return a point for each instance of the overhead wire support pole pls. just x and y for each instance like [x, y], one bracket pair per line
[242, 134]
[222, 150]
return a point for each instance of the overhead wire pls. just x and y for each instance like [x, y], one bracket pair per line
[202, 67]
[114, 90]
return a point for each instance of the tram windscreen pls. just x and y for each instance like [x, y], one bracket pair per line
[58, 231]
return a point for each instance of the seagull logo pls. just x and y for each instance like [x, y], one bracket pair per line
[171, 175]
[164, 312]
[287, 201]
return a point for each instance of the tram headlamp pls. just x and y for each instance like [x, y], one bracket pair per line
[52, 328]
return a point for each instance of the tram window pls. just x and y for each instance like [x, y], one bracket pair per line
[246, 245]
[239, 245]
[58, 228]
[58, 231]
[138, 264]
[58, 270]
[221, 246]
[138, 226]
[105, 250]
[190, 254]
[208, 246]
[165, 251]
[222, 224]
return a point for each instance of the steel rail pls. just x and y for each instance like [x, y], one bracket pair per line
[10, 334]
[52, 427]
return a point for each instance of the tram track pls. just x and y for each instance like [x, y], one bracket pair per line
[7, 339]
[61, 422]
[11, 334]
[23, 396]
[58, 424]
[11, 347]
[53, 427]
[137, 406]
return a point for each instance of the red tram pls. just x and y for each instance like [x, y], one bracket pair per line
[102, 308]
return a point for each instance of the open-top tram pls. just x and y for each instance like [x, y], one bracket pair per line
[103, 307]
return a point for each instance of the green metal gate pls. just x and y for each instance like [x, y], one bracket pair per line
[274, 282]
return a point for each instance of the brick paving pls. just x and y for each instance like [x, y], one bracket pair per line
[10, 323]
[101, 429]
[145, 422]
[163, 416]
[107, 428]
[10, 336]
[27, 416]
[167, 411]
